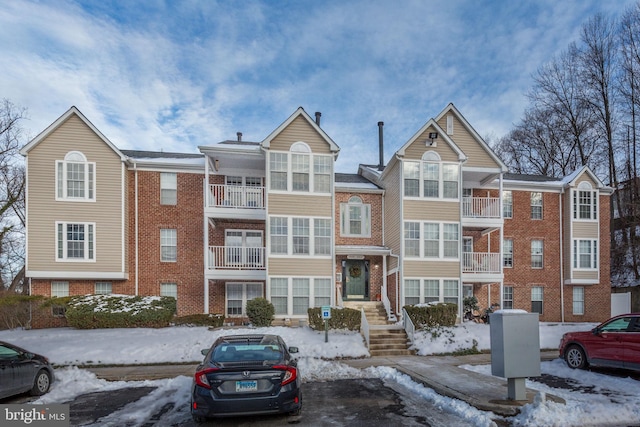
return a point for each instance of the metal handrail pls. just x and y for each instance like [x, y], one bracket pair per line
[408, 325]
[364, 326]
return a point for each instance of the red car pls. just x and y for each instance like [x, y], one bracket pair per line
[614, 344]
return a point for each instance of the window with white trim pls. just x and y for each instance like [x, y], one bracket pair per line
[507, 204]
[75, 241]
[420, 291]
[237, 295]
[295, 295]
[585, 254]
[507, 298]
[75, 178]
[168, 188]
[536, 253]
[507, 253]
[168, 245]
[299, 170]
[536, 205]
[431, 178]
[103, 288]
[308, 236]
[578, 300]
[434, 244]
[355, 218]
[537, 299]
[585, 202]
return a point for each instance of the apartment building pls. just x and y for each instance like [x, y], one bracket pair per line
[441, 220]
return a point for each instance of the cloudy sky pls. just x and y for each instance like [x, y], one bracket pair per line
[173, 75]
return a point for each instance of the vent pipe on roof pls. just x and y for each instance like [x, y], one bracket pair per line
[381, 146]
[239, 134]
[318, 114]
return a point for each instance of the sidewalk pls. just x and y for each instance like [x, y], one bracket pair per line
[441, 373]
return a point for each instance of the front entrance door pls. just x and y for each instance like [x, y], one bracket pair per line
[356, 278]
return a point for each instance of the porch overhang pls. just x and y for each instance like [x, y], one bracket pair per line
[363, 250]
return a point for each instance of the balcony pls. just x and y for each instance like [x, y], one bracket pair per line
[235, 201]
[481, 212]
[236, 262]
[481, 266]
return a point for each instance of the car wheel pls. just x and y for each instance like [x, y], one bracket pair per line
[575, 357]
[41, 384]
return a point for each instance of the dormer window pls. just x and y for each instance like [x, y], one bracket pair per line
[75, 178]
[431, 178]
[585, 202]
[300, 170]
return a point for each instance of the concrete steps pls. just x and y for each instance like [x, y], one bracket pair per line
[385, 338]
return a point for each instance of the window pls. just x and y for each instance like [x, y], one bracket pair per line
[168, 188]
[238, 294]
[451, 240]
[536, 299]
[355, 218]
[536, 253]
[585, 202]
[450, 288]
[467, 291]
[168, 245]
[507, 204]
[322, 292]
[431, 177]
[293, 171]
[412, 292]
[75, 242]
[169, 290]
[431, 290]
[585, 254]
[431, 240]
[536, 205]
[507, 300]
[507, 253]
[322, 236]
[279, 231]
[278, 167]
[412, 239]
[300, 231]
[59, 290]
[280, 295]
[75, 178]
[103, 288]
[300, 295]
[578, 300]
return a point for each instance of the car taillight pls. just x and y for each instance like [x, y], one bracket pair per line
[290, 374]
[201, 377]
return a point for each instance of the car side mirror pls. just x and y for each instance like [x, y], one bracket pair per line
[293, 349]
[204, 351]
[596, 331]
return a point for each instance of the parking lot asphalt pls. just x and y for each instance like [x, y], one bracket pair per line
[441, 373]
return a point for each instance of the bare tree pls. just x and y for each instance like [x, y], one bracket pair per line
[12, 190]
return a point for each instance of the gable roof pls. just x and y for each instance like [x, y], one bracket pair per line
[432, 123]
[62, 119]
[452, 109]
[266, 143]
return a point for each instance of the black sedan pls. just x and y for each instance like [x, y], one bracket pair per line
[22, 371]
[246, 375]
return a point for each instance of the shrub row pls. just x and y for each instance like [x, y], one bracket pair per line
[432, 315]
[341, 318]
[119, 311]
[210, 320]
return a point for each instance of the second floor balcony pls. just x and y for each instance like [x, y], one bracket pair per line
[242, 202]
[482, 262]
[236, 262]
[481, 207]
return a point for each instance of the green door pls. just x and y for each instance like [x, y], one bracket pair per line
[356, 279]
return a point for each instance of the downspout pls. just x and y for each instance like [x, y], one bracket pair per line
[137, 229]
[561, 262]
[501, 207]
[205, 237]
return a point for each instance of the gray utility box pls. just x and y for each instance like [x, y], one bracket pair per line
[515, 348]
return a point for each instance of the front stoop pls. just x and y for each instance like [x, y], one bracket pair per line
[385, 338]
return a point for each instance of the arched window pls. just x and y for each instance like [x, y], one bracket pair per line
[431, 177]
[300, 170]
[355, 218]
[585, 202]
[75, 178]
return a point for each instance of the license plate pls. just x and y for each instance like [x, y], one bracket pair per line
[246, 386]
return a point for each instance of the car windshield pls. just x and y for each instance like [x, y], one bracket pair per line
[246, 352]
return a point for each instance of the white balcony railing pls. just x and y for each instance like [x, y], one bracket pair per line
[481, 262]
[481, 207]
[235, 196]
[236, 258]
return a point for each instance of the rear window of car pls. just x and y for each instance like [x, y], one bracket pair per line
[229, 352]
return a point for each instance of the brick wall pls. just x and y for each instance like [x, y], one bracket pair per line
[375, 200]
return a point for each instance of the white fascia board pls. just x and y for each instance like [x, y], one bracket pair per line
[73, 275]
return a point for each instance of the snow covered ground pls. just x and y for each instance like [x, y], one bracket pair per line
[596, 399]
